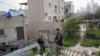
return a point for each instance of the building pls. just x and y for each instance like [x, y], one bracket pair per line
[11, 29]
[68, 8]
[43, 15]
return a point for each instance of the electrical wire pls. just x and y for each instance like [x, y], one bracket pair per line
[8, 4]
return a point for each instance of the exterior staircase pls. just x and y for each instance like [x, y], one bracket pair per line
[67, 52]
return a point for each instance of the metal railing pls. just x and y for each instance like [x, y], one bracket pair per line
[25, 51]
[63, 51]
[24, 48]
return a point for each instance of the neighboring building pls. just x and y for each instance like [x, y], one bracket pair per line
[43, 15]
[68, 8]
[53, 10]
[11, 29]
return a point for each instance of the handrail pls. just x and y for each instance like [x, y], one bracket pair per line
[22, 50]
[69, 52]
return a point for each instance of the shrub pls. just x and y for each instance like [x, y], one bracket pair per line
[35, 53]
[98, 54]
[94, 33]
[71, 25]
[70, 42]
[91, 43]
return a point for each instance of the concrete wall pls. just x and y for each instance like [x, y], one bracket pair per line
[9, 26]
[36, 16]
[83, 27]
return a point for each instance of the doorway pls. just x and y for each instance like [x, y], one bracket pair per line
[20, 33]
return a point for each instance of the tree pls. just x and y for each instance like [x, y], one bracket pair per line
[88, 16]
[97, 13]
[71, 25]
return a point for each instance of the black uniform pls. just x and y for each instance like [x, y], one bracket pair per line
[42, 47]
[58, 39]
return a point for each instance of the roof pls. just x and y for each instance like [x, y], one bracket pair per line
[25, 3]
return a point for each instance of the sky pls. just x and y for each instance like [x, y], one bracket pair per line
[81, 3]
[5, 5]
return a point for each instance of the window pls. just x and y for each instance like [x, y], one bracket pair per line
[50, 18]
[66, 10]
[55, 19]
[1, 32]
[49, 5]
[55, 8]
[62, 8]
[59, 9]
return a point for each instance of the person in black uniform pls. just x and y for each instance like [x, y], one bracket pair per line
[41, 44]
[58, 38]
[58, 41]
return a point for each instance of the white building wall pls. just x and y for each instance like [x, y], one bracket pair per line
[51, 10]
[9, 26]
[61, 9]
[37, 17]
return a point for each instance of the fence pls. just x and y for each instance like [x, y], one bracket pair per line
[25, 51]
[65, 51]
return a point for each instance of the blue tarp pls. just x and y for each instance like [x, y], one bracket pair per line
[12, 13]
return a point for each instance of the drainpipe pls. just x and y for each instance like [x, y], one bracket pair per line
[25, 28]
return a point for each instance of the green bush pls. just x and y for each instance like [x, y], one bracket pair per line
[70, 42]
[98, 54]
[35, 53]
[91, 43]
[71, 25]
[94, 32]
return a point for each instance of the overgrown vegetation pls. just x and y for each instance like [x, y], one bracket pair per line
[94, 32]
[91, 42]
[35, 53]
[71, 25]
[98, 53]
[69, 42]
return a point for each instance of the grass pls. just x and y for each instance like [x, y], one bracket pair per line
[94, 32]
[91, 42]
[70, 42]
[98, 54]
[35, 53]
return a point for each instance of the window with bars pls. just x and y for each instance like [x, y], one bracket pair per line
[1, 32]
[49, 18]
[56, 8]
[49, 5]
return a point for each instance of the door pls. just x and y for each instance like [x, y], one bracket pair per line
[20, 33]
